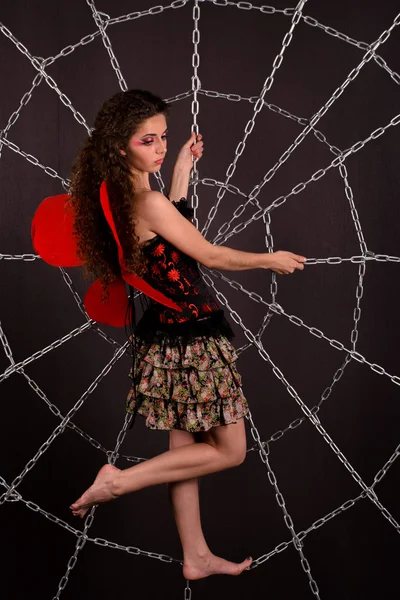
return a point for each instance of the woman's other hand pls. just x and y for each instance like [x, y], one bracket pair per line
[284, 262]
[190, 150]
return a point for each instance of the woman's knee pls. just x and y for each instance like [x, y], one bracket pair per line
[230, 441]
[238, 456]
[235, 456]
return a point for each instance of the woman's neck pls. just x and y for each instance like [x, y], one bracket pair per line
[140, 181]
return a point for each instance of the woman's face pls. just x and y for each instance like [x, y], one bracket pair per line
[148, 145]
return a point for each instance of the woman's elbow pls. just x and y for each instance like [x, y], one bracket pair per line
[210, 258]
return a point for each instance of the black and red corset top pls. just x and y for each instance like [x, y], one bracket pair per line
[177, 275]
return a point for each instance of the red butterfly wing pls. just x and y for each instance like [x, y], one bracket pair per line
[52, 232]
[111, 312]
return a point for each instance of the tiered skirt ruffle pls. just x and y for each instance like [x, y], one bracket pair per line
[191, 386]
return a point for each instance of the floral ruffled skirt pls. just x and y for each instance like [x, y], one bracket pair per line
[192, 386]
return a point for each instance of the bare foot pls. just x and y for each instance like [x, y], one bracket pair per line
[100, 491]
[212, 565]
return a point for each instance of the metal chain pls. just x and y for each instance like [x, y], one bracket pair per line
[315, 409]
[18, 366]
[292, 392]
[81, 541]
[102, 20]
[154, 10]
[337, 376]
[61, 427]
[194, 176]
[309, 127]
[314, 23]
[23, 102]
[38, 65]
[257, 108]
[196, 85]
[303, 534]
[33, 160]
[338, 161]
[54, 409]
[266, 217]
[265, 9]
[277, 309]
[263, 453]
[382, 472]
[362, 45]
[90, 518]
[16, 497]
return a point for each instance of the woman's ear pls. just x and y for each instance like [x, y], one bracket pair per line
[122, 152]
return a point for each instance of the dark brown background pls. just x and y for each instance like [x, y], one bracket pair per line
[354, 555]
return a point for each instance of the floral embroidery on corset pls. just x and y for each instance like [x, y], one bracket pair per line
[173, 275]
[159, 250]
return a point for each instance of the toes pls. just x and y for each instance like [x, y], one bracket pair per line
[77, 511]
[248, 561]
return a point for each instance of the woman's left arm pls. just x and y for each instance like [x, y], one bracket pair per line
[183, 166]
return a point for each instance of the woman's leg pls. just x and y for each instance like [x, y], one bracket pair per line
[198, 560]
[184, 497]
[223, 447]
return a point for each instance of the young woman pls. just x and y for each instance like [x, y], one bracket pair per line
[184, 374]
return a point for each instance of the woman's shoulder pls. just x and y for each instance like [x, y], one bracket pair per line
[149, 194]
[145, 199]
[146, 202]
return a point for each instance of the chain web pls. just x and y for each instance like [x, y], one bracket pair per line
[102, 22]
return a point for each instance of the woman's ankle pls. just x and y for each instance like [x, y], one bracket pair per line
[117, 484]
[194, 554]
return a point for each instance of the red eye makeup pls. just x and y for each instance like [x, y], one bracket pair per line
[148, 140]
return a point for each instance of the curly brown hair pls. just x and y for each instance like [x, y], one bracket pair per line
[100, 159]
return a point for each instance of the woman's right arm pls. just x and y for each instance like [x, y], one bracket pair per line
[163, 218]
[281, 262]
